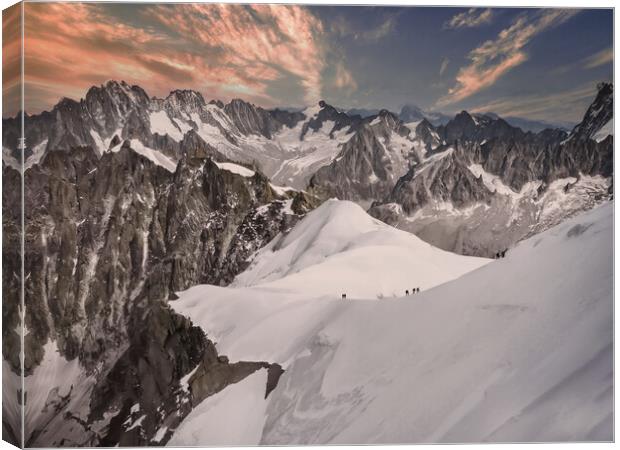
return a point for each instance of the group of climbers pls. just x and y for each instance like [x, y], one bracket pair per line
[413, 291]
[501, 254]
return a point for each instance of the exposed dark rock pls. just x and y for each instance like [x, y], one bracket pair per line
[329, 113]
[108, 240]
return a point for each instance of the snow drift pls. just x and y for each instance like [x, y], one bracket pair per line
[517, 350]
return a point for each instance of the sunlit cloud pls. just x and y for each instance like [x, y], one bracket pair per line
[471, 18]
[494, 58]
[260, 43]
[222, 50]
[344, 79]
[598, 59]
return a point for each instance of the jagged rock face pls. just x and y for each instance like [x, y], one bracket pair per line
[194, 147]
[598, 114]
[367, 168]
[465, 127]
[11, 267]
[186, 101]
[108, 106]
[446, 180]
[112, 109]
[426, 133]
[492, 186]
[282, 144]
[107, 241]
[327, 112]
[250, 119]
[370, 163]
[287, 118]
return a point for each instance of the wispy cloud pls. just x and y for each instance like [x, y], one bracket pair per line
[344, 79]
[568, 105]
[471, 18]
[494, 58]
[444, 65]
[257, 43]
[224, 50]
[343, 27]
[598, 59]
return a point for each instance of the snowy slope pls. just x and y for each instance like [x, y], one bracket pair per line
[286, 158]
[301, 158]
[518, 350]
[218, 415]
[236, 168]
[155, 156]
[606, 130]
[338, 245]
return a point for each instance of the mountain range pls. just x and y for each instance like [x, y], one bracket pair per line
[130, 199]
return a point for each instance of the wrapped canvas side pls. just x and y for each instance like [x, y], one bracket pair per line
[13, 394]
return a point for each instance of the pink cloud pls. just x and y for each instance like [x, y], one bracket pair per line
[598, 59]
[494, 58]
[223, 50]
[265, 41]
[471, 18]
[344, 79]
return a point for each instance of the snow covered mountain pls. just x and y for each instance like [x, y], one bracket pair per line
[287, 146]
[488, 184]
[519, 349]
[370, 163]
[130, 199]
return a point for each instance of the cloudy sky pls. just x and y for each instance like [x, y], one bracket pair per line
[535, 63]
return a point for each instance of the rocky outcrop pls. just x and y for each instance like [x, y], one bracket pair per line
[598, 114]
[337, 119]
[108, 240]
[447, 179]
[467, 127]
[488, 185]
[251, 119]
[370, 163]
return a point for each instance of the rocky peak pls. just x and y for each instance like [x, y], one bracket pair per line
[184, 100]
[598, 114]
[218, 103]
[66, 103]
[426, 132]
[464, 119]
[120, 94]
[468, 127]
[424, 125]
[251, 119]
[288, 118]
[463, 126]
[389, 118]
[328, 113]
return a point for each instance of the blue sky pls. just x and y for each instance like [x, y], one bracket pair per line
[536, 63]
[553, 80]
